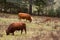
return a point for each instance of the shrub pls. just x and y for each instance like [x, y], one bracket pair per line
[58, 12]
[24, 9]
[51, 13]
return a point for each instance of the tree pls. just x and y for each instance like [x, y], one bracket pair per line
[30, 6]
[4, 5]
[41, 4]
[23, 5]
[58, 12]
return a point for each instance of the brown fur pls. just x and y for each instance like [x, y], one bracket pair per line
[16, 26]
[25, 16]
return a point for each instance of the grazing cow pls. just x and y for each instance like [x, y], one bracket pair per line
[25, 16]
[16, 26]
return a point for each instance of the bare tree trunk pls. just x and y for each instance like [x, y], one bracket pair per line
[4, 5]
[30, 6]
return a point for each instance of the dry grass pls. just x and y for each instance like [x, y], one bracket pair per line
[35, 30]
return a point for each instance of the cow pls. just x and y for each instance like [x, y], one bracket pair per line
[25, 16]
[16, 26]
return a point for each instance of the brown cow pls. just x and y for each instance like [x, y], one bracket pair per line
[16, 26]
[25, 16]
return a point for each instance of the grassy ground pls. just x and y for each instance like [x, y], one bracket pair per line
[36, 30]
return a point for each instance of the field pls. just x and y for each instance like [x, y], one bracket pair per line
[36, 30]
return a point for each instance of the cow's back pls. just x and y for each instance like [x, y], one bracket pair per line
[23, 15]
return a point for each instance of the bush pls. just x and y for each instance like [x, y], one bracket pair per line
[24, 9]
[51, 13]
[58, 12]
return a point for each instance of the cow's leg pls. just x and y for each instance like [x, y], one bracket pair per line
[27, 20]
[21, 31]
[25, 30]
[19, 18]
[7, 33]
[13, 33]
